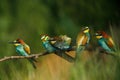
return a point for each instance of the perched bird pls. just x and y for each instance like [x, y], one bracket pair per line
[108, 39]
[82, 41]
[23, 49]
[105, 41]
[62, 42]
[25, 46]
[48, 44]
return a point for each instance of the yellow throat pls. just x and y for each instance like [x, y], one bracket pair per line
[86, 31]
[98, 37]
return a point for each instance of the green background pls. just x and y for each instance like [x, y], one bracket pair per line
[27, 19]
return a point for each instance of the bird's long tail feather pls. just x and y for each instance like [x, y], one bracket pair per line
[79, 50]
[32, 60]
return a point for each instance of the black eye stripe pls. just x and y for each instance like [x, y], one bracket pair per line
[16, 42]
[85, 28]
[98, 34]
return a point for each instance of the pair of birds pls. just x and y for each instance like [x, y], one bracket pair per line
[52, 44]
[58, 45]
[104, 40]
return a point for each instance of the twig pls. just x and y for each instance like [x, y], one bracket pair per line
[22, 57]
[60, 54]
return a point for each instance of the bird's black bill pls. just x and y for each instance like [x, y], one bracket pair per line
[98, 34]
[12, 42]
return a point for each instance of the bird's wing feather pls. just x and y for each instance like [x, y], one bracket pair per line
[27, 48]
[110, 42]
[85, 40]
[81, 39]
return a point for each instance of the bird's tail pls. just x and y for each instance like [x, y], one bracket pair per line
[32, 60]
[65, 56]
[79, 50]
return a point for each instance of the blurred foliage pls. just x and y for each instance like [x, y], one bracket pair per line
[27, 19]
[93, 69]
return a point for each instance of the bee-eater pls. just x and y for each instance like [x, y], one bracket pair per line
[82, 41]
[62, 42]
[105, 41]
[23, 49]
[48, 45]
[108, 39]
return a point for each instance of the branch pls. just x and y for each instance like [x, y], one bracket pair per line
[22, 57]
[60, 54]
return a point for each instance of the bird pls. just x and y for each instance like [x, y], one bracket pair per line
[105, 41]
[82, 41]
[23, 50]
[48, 43]
[108, 39]
[62, 42]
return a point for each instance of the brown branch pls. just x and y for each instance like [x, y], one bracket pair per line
[22, 57]
[60, 54]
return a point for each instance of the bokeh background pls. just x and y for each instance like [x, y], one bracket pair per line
[27, 19]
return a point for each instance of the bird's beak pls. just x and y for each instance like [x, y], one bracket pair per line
[87, 30]
[12, 42]
[96, 34]
[51, 39]
[15, 43]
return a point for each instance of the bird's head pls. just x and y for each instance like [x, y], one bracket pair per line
[17, 42]
[85, 29]
[104, 34]
[44, 37]
[98, 35]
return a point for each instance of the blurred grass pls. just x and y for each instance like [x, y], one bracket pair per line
[52, 67]
[104, 69]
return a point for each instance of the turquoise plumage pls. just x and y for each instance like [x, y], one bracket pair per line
[103, 44]
[20, 50]
[47, 44]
